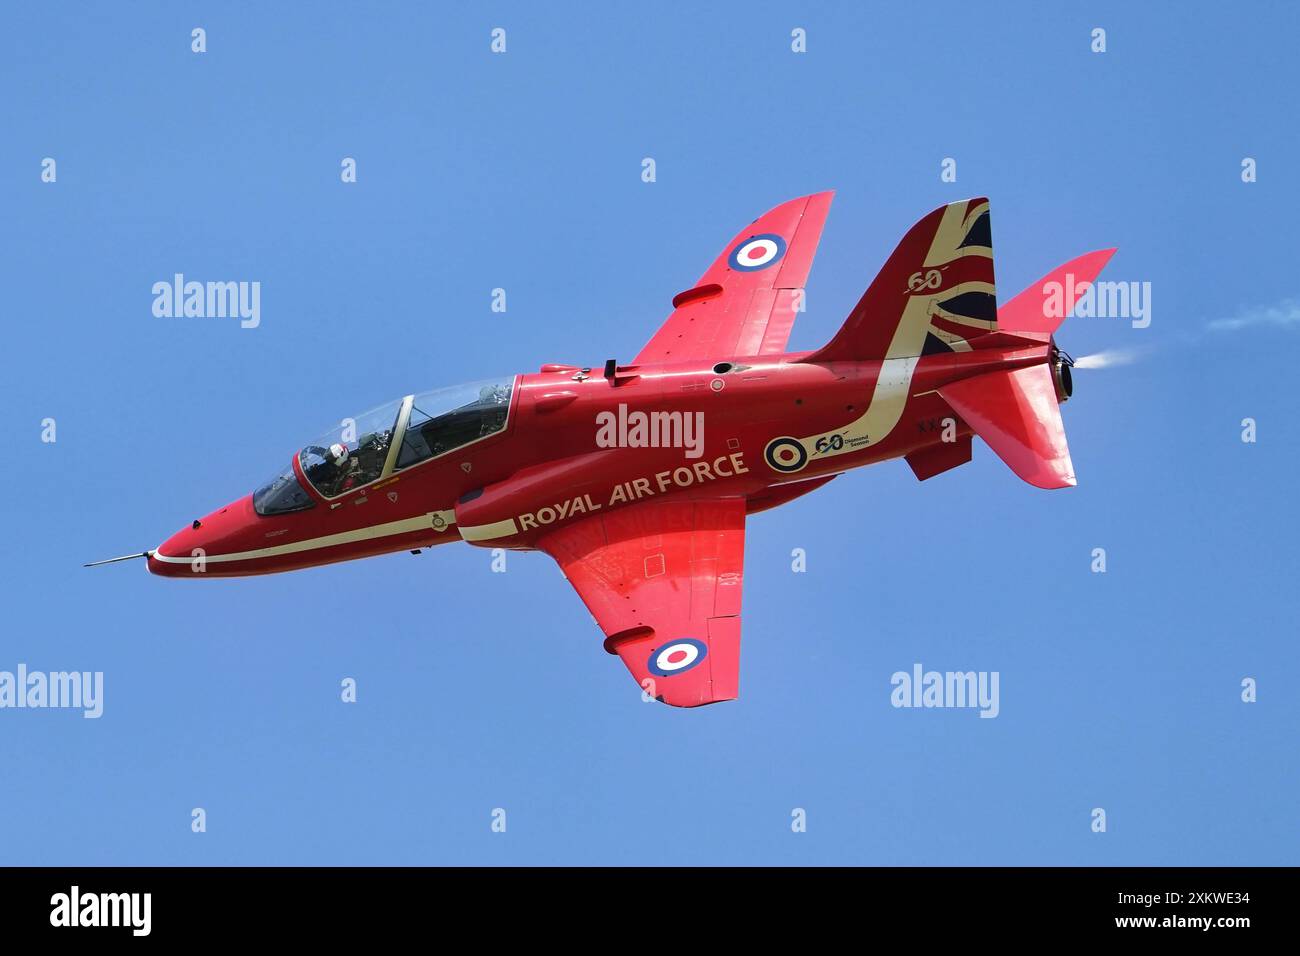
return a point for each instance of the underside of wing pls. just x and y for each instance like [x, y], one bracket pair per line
[746, 303]
[663, 580]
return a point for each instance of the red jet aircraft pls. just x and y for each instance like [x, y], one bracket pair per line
[638, 478]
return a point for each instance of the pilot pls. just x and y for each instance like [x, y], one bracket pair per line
[329, 467]
[345, 467]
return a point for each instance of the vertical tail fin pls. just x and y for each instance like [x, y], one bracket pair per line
[934, 294]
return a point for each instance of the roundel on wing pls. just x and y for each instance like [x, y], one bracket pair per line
[757, 252]
[676, 656]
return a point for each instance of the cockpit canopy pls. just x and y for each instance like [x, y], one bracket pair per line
[393, 437]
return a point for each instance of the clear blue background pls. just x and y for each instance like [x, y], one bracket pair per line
[480, 690]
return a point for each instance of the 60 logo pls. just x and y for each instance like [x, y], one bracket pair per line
[833, 443]
[920, 281]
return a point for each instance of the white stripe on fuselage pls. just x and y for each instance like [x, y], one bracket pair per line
[486, 532]
[425, 522]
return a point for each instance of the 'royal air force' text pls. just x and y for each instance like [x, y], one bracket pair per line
[725, 466]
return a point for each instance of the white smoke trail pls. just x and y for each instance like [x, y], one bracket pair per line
[1107, 359]
[1285, 314]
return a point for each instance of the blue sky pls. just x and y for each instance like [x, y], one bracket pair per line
[480, 690]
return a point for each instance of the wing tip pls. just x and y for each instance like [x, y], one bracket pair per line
[694, 705]
[819, 201]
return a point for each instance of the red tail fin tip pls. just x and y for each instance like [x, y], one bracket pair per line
[934, 294]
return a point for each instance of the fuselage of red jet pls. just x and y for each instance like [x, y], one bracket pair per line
[637, 478]
[543, 468]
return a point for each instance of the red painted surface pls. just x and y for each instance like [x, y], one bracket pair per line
[652, 538]
[1033, 311]
[1017, 413]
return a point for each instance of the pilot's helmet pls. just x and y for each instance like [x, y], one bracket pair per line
[339, 453]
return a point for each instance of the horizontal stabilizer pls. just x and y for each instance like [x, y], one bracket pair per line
[1043, 306]
[1018, 415]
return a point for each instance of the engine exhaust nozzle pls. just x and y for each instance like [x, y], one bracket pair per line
[1062, 376]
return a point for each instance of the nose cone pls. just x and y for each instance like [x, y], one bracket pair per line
[186, 553]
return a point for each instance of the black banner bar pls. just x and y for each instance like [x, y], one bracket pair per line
[376, 904]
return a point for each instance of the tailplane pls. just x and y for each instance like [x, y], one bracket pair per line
[1018, 414]
[1043, 306]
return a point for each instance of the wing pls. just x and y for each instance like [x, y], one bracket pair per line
[663, 580]
[746, 303]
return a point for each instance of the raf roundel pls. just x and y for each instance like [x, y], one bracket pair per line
[757, 252]
[677, 656]
[785, 455]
